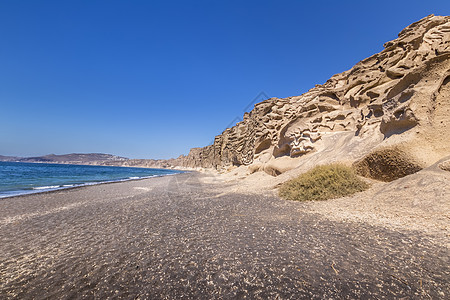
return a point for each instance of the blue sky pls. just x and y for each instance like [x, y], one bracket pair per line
[151, 79]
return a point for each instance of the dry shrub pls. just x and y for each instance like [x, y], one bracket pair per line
[322, 183]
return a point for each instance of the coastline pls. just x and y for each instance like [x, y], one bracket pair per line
[193, 235]
[116, 163]
[60, 188]
[52, 186]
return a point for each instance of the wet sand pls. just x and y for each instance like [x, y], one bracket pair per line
[178, 237]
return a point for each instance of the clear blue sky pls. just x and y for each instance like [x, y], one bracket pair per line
[151, 79]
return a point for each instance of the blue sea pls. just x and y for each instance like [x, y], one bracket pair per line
[18, 178]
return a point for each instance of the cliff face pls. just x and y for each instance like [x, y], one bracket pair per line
[397, 99]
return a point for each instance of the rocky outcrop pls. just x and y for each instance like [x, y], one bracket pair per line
[445, 165]
[398, 98]
[386, 164]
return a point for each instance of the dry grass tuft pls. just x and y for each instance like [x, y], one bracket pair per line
[322, 183]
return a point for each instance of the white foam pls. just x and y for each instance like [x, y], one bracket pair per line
[46, 187]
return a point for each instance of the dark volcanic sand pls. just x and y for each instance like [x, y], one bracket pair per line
[170, 238]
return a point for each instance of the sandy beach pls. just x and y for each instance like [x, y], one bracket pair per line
[179, 237]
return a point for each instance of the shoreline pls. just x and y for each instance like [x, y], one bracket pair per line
[36, 191]
[72, 163]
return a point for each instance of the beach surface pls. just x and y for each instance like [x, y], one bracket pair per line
[195, 236]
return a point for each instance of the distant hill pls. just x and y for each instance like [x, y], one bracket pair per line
[97, 159]
[76, 158]
[8, 158]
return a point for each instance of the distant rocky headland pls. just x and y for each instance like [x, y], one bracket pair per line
[65, 158]
[90, 159]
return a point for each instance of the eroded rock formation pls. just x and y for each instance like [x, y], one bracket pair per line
[397, 98]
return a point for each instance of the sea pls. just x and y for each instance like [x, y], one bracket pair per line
[17, 178]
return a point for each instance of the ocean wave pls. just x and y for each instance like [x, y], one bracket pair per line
[46, 187]
[90, 176]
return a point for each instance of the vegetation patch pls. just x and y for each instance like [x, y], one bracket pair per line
[322, 183]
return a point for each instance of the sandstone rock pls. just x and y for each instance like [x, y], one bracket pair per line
[445, 165]
[387, 164]
[398, 96]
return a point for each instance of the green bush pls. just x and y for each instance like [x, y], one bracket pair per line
[322, 183]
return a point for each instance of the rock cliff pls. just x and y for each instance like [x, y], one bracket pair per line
[390, 110]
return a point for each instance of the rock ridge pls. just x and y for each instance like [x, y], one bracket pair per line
[396, 98]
